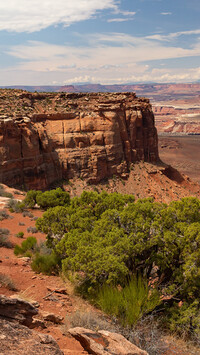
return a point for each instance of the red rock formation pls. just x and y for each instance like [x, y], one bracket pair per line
[61, 136]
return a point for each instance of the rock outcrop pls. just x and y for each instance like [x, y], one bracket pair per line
[104, 342]
[16, 309]
[49, 137]
[16, 315]
[20, 340]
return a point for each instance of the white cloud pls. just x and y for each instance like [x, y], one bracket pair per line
[30, 16]
[166, 13]
[42, 56]
[120, 19]
[128, 15]
[107, 58]
[173, 35]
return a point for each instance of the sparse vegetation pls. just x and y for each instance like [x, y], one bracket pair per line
[27, 214]
[21, 224]
[45, 263]
[27, 247]
[3, 215]
[32, 230]
[4, 241]
[4, 193]
[15, 206]
[88, 320]
[7, 282]
[20, 235]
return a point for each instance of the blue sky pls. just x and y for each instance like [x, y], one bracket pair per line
[63, 42]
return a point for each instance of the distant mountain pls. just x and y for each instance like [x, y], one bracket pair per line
[152, 90]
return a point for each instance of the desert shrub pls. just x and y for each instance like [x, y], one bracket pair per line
[3, 193]
[4, 231]
[3, 215]
[5, 242]
[148, 335]
[105, 238]
[184, 320]
[88, 320]
[15, 206]
[7, 282]
[32, 230]
[30, 199]
[52, 198]
[18, 192]
[21, 224]
[19, 234]
[131, 303]
[27, 214]
[28, 245]
[47, 264]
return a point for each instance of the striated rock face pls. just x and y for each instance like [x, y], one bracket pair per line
[16, 309]
[48, 137]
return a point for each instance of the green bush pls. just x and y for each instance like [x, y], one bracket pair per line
[184, 320]
[52, 198]
[28, 245]
[20, 235]
[30, 199]
[130, 303]
[47, 264]
[105, 238]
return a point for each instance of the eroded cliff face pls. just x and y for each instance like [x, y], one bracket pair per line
[48, 137]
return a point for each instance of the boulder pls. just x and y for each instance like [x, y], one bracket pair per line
[51, 317]
[104, 342]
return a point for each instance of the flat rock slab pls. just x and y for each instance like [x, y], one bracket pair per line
[16, 339]
[104, 342]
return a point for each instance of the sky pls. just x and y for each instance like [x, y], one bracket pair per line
[64, 42]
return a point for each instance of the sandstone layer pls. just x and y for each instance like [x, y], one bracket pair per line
[49, 136]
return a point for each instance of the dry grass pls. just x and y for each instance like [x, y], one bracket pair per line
[89, 320]
[7, 282]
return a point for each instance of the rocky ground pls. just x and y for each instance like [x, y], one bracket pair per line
[160, 182]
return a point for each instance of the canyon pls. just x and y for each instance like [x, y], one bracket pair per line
[47, 137]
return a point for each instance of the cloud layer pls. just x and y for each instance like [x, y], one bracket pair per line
[106, 58]
[30, 16]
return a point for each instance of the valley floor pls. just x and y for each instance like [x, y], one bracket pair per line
[183, 153]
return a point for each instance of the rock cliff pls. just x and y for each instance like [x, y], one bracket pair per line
[52, 136]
